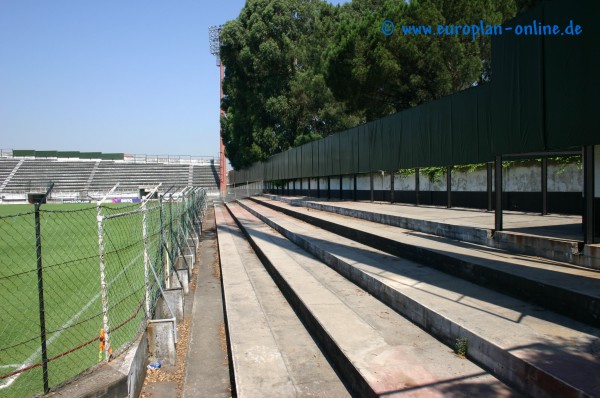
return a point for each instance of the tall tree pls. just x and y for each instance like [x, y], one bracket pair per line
[377, 75]
[275, 91]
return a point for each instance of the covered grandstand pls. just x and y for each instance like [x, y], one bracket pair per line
[89, 175]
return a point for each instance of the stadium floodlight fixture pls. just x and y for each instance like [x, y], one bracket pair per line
[214, 37]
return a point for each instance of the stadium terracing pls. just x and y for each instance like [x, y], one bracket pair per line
[89, 175]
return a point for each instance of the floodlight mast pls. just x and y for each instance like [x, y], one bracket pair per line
[214, 35]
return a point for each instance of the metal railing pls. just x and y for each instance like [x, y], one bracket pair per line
[171, 159]
[132, 158]
[240, 191]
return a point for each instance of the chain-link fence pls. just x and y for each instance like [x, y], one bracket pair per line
[240, 191]
[79, 282]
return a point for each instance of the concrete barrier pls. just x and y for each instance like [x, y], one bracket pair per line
[121, 377]
[184, 276]
[161, 339]
[174, 298]
[185, 261]
[190, 253]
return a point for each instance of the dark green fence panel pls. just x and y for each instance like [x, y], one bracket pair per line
[335, 154]
[279, 166]
[315, 158]
[572, 64]
[415, 143]
[440, 132]
[376, 144]
[293, 163]
[347, 152]
[68, 154]
[91, 155]
[517, 89]
[464, 126]
[113, 156]
[325, 151]
[364, 154]
[23, 152]
[323, 157]
[45, 154]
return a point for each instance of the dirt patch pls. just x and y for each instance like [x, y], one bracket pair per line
[216, 267]
[223, 342]
[174, 374]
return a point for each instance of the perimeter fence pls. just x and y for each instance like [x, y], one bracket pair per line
[78, 283]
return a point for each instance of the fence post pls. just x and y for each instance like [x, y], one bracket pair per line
[162, 230]
[103, 286]
[392, 186]
[169, 243]
[38, 245]
[449, 186]
[147, 263]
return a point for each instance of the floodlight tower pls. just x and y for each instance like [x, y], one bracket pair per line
[214, 35]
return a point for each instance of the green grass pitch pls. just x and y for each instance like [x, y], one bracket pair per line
[71, 281]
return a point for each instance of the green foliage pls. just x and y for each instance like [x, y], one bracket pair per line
[276, 95]
[390, 74]
[433, 174]
[462, 347]
[406, 172]
[469, 168]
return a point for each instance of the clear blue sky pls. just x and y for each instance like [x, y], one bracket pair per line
[132, 76]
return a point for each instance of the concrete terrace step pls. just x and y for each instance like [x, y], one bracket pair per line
[560, 287]
[555, 237]
[542, 353]
[272, 354]
[377, 351]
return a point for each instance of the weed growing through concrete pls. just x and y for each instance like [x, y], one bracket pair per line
[462, 347]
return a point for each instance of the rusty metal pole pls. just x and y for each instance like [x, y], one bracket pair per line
[222, 163]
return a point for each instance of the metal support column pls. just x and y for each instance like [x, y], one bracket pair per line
[544, 186]
[589, 233]
[490, 185]
[417, 186]
[449, 186]
[392, 186]
[341, 187]
[329, 187]
[371, 181]
[354, 194]
[498, 186]
[318, 187]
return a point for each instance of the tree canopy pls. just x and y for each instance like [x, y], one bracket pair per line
[299, 70]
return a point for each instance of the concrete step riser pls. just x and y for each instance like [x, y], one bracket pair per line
[504, 365]
[344, 367]
[553, 249]
[574, 305]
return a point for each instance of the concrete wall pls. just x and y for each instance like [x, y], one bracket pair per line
[520, 177]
